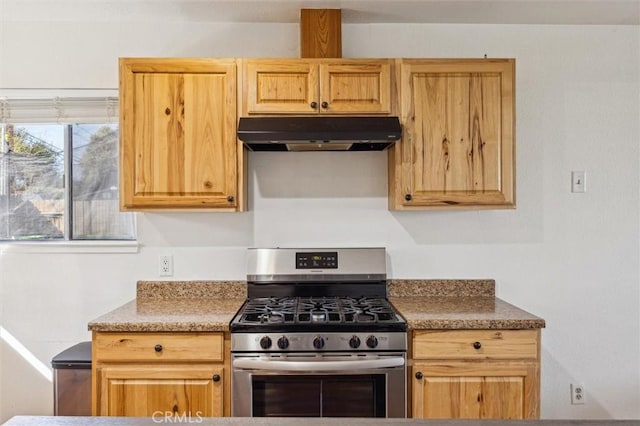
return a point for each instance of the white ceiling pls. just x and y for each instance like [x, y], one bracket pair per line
[616, 12]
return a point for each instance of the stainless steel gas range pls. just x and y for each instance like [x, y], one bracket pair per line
[317, 337]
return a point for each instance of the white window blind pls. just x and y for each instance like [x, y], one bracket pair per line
[59, 110]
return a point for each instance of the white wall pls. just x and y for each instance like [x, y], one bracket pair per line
[572, 259]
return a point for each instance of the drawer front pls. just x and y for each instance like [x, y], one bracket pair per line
[475, 344]
[163, 347]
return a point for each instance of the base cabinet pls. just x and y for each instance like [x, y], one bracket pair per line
[161, 375]
[188, 392]
[475, 374]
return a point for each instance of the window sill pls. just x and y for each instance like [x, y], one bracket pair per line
[69, 247]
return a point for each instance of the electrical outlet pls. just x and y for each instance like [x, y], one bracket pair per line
[165, 265]
[578, 394]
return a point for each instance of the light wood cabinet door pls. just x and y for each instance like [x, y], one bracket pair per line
[300, 86]
[362, 87]
[475, 390]
[457, 148]
[181, 391]
[281, 86]
[178, 146]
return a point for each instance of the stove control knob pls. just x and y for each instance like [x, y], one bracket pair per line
[318, 342]
[265, 342]
[283, 342]
[354, 342]
[372, 341]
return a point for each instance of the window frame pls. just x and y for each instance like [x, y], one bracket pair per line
[59, 111]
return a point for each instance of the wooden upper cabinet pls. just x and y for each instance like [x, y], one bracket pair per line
[458, 137]
[308, 86]
[178, 134]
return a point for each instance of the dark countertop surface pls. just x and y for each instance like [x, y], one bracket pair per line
[273, 421]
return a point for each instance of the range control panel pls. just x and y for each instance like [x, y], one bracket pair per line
[317, 260]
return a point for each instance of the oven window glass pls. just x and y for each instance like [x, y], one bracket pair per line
[319, 396]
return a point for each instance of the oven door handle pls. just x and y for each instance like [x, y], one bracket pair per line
[269, 365]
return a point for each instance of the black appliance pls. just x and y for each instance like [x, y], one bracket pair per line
[321, 133]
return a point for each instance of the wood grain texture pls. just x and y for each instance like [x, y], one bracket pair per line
[281, 86]
[131, 378]
[177, 134]
[360, 87]
[304, 86]
[475, 390]
[320, 33]
[142, 390]
[452, 383]
[457, 148]
[494, 344]
[132, 347]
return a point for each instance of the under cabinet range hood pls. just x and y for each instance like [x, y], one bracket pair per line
[319, 133]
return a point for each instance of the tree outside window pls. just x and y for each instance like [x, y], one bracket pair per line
[60, 181]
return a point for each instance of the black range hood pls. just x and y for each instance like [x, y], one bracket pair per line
[319, 133]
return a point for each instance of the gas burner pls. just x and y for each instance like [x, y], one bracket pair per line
[338, 311]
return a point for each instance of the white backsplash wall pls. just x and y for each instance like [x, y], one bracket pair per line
[572, 259]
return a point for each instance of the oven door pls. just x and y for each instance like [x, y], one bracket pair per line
[319, 385]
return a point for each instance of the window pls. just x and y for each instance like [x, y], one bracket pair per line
[59, 171]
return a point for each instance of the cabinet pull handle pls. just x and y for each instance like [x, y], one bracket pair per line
[216, 377]
[230, 198]
[314, 105]
[157, 348]
[419, 375]
[477, 345]
[408, 197]
[325, 105]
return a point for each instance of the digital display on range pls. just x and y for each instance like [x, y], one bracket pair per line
[317, 260]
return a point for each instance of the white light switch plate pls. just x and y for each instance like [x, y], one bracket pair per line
[578, 181]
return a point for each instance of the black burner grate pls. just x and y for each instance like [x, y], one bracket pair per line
[317, 310]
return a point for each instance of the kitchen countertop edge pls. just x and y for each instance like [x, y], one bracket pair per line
[209, 306]
[321, 421]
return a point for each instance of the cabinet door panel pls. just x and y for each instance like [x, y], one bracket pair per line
[356, 88]
[178, 145]
[281, 87]
[457, 148]
[471, 390]
[503, 398]
[473, 397]
[156, 391]
[211, 170]
[450, 398]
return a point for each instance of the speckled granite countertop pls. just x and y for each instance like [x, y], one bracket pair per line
[463, 313]
[456, 304]
[176, 306]
[199, 306]
[276, 421]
